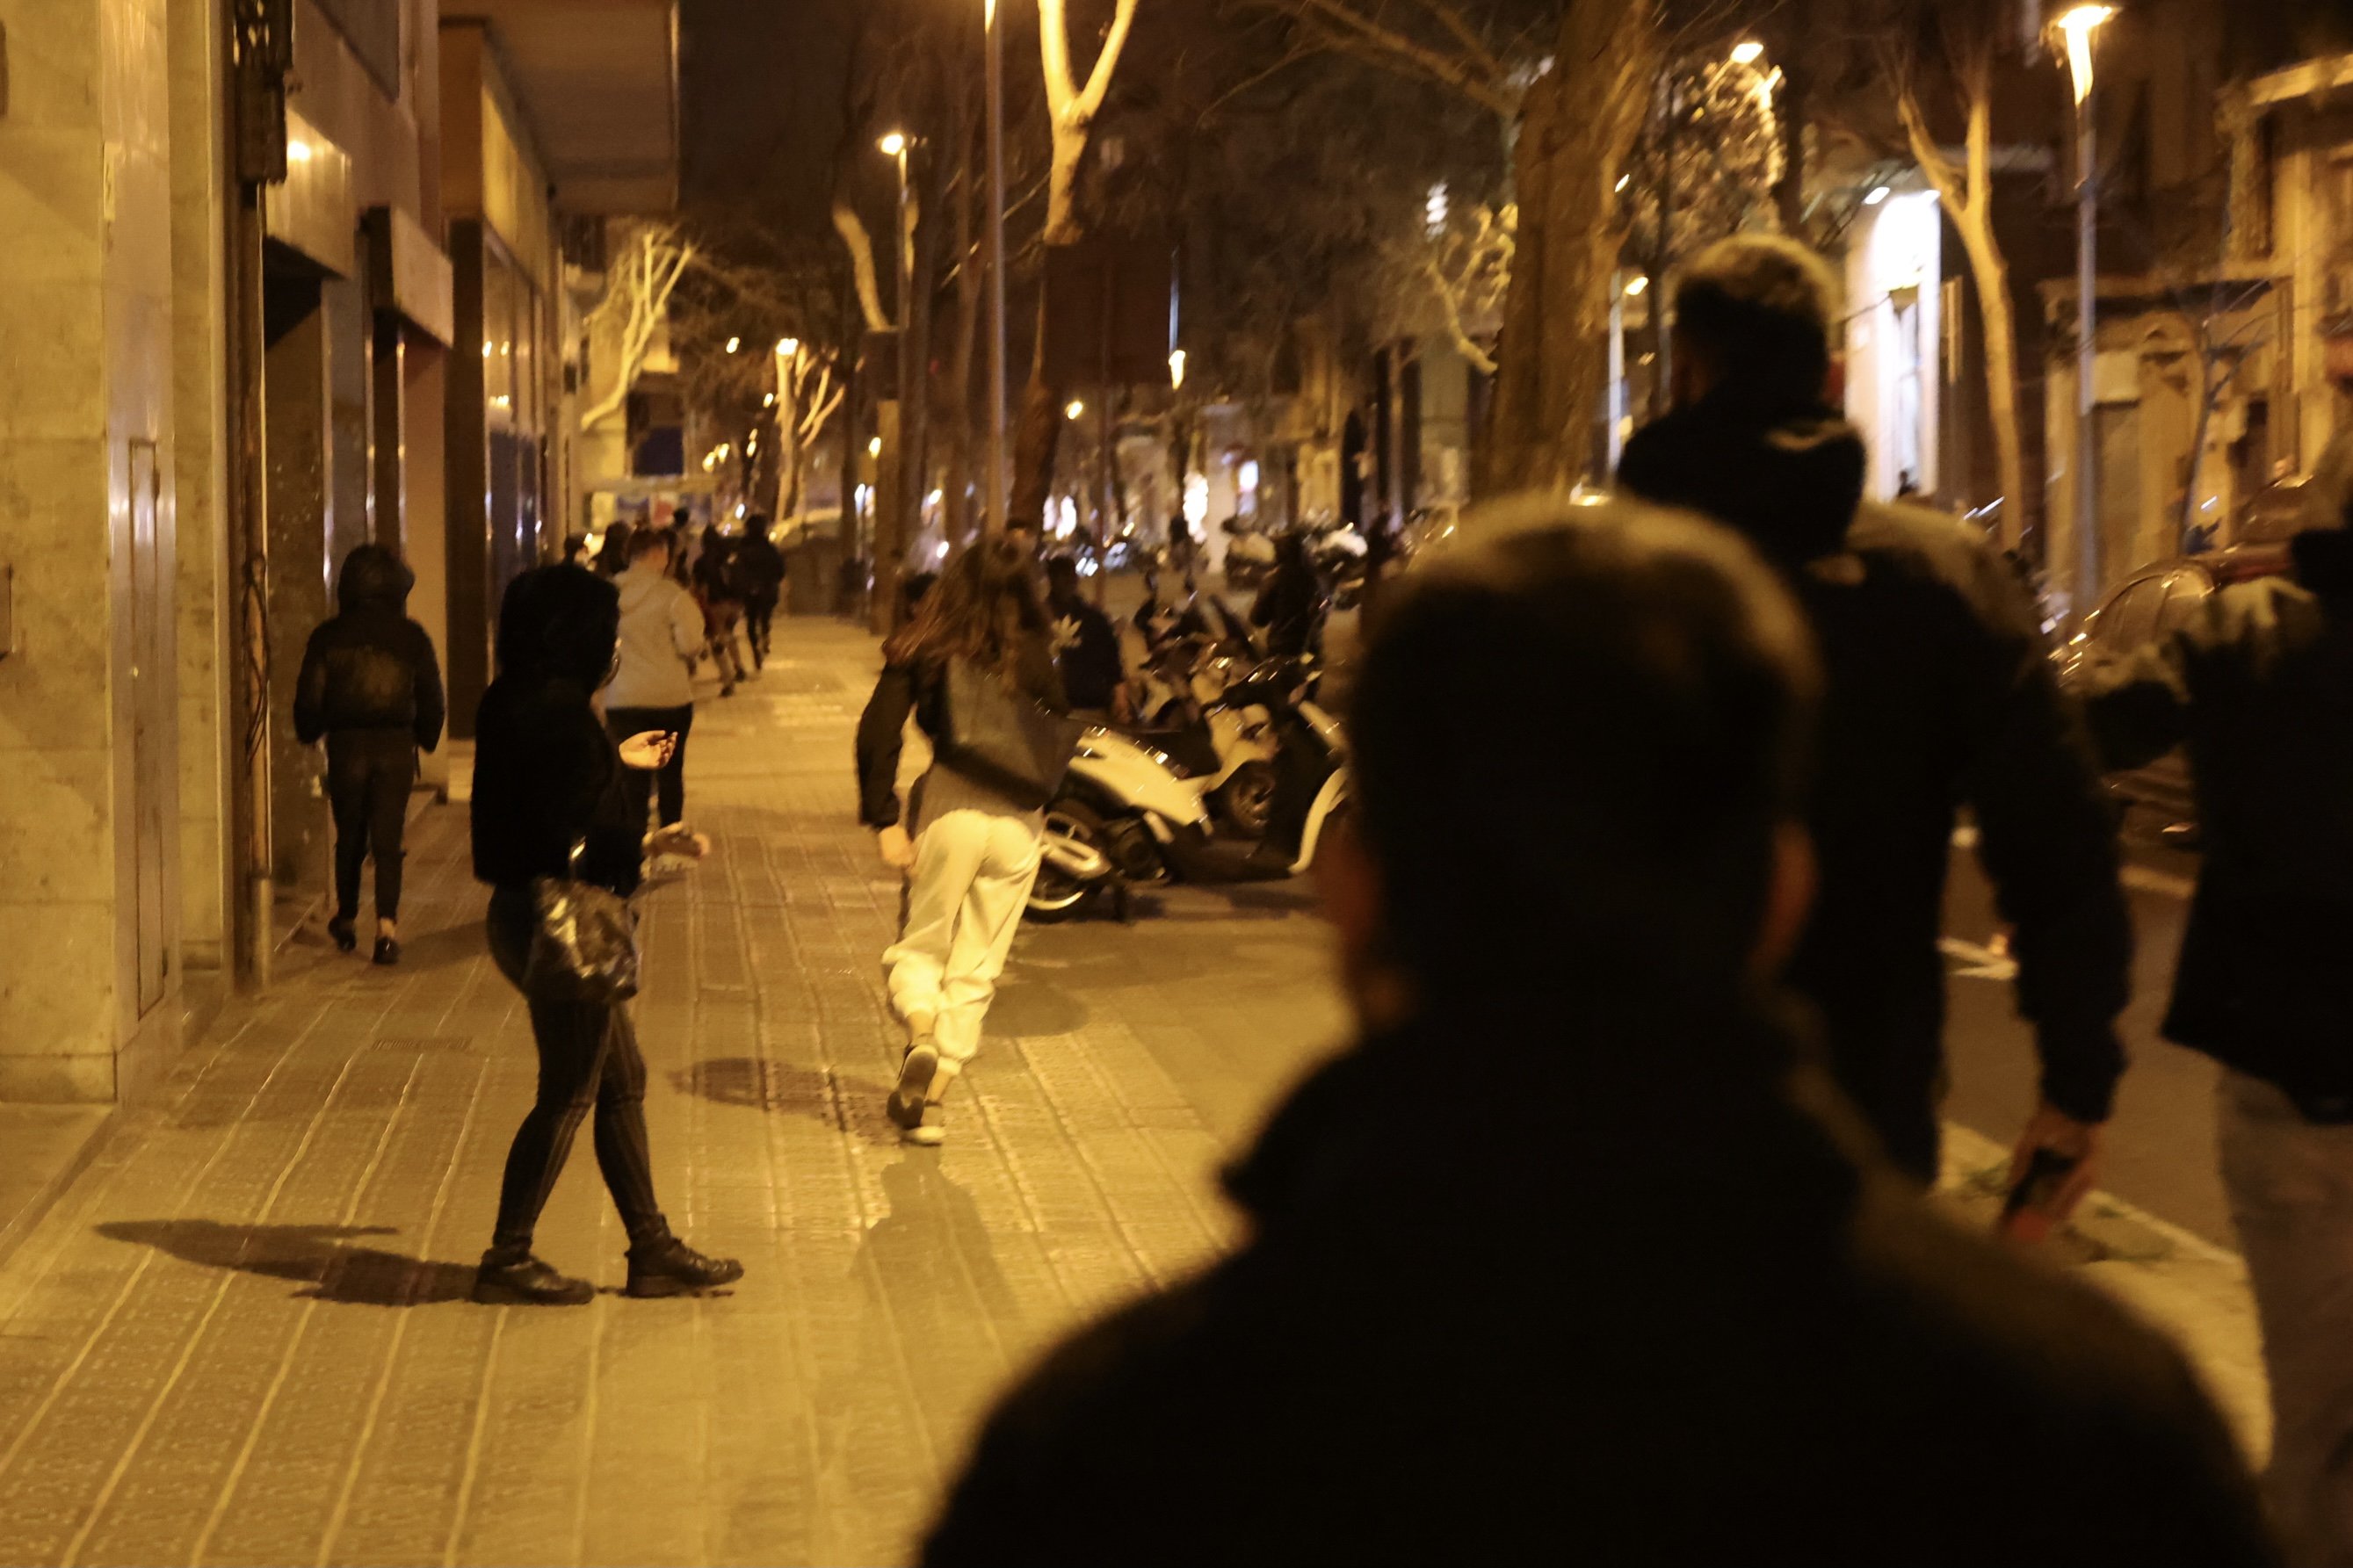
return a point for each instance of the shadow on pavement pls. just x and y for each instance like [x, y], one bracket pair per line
[764, 1084]
[439, 949]
[312, 1255]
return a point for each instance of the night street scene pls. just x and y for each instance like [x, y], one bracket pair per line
[1176, 782]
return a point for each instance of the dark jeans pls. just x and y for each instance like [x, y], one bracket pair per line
[759, 618]
[588, 1061]
[636, 784]
[369, 774]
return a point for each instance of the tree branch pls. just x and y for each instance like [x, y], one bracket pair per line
[860, 246]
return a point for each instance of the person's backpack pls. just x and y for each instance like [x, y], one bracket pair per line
[1000, 736]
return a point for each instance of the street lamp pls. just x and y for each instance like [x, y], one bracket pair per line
[993, 53]
[894, 144]
[788, 348]
[1635, 285]
[734, 343]
[1747, 52]
[1177, 369]
[1075, 409]
[2080, 29]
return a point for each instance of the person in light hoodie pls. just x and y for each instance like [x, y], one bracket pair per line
[652, 686]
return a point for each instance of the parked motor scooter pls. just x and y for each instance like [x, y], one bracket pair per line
[1130, 814]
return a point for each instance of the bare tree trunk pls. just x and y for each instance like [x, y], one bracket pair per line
[1036, 435]
[1582, 117]
[959, 506]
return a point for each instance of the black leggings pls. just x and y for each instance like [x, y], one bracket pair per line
[369, 775]
[759, 618]
[638, 786]
[588, 1061]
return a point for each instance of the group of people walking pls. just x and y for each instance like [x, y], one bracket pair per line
[1609, 1237]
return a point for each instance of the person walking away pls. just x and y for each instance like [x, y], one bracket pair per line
[1710, 1325]
[974, 852]
[371, 688]
[1288, 604]
[548, 804]
[1941, 694]
[760, 580]
[651, 687]
[2259, 685]
[713, 583]
[613, 555]
[1086, 647]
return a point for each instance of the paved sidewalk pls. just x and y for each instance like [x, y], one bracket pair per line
[241, 1337]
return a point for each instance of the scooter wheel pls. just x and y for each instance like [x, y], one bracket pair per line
[1056, 895]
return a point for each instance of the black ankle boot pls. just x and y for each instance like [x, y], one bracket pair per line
[388, 951]
[511, 1277]
[346, 938]
[671, 1267]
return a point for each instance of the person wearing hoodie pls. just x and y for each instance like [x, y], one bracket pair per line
[549, 804]
[1573, 1258]
[1941, 695]
[2259, 685]
[371, 688]
[653, 687]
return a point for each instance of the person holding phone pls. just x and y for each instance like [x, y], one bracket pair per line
[550, 802]
[973, 852]
[651, 686]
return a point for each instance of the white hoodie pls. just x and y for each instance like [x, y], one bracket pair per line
[661, 628]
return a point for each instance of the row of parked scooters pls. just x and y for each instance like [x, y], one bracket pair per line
[1231, 773]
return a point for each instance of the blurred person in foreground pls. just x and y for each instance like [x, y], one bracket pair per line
[1939, 695]
[549, 803]
[1571, 1258]
[2259, 685]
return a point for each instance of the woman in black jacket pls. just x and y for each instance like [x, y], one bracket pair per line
[974, 852]
[548, 803]
[371, 686]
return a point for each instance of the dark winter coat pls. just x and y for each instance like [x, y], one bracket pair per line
[1089, 654]
[759, 569]
[546, 774]
[2259, 685]
[921, 688]
[1287, 608]
[1607, 1321]
[370, 666]
[1940, 696]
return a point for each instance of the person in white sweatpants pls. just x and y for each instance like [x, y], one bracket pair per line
[974, 854]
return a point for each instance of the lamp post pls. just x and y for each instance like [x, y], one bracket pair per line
[994, 50]
[2079, 29]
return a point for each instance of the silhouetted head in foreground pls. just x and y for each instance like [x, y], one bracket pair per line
[1577, 747]
[559, 623]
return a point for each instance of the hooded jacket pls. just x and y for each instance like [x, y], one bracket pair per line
[370, 666]
[547, 776]
[661, 628]
[2259, 684]
[1940, 695]
[1612, 1321]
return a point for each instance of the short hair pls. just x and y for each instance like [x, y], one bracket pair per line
[646, 541]
[1574, 740]
[1759, 308]
[1062, 569]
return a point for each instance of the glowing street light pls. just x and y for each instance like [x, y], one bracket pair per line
[769, 400]
[734, 343]
[1176, 368]
[1747, 52]
[1636, 284]
[874, 447]
[1075, 409]
[1877, 194]
[2080, 29]
[893, 145]
[789, 348]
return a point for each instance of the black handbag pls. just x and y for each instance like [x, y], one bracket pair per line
[1001, 737]
[584, 941]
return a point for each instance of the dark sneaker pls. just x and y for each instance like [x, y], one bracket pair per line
[346, 938]
[917, 1121]
[671, 1267]
[506, 1280]
[388, 951]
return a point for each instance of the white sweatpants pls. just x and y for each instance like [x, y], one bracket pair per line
[975, 857]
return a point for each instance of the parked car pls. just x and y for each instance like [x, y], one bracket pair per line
[2154, 603]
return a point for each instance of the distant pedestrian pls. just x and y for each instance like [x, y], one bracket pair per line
[1291, 602]
[712, 581]
[1574, 1257]
[613, 555]
[759, 569]
[548, 805]
[651, 689]
[371, 686]
[576, 550]
[1941, 696]
[974, 850]
[2258, 684]
[1086, 647]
